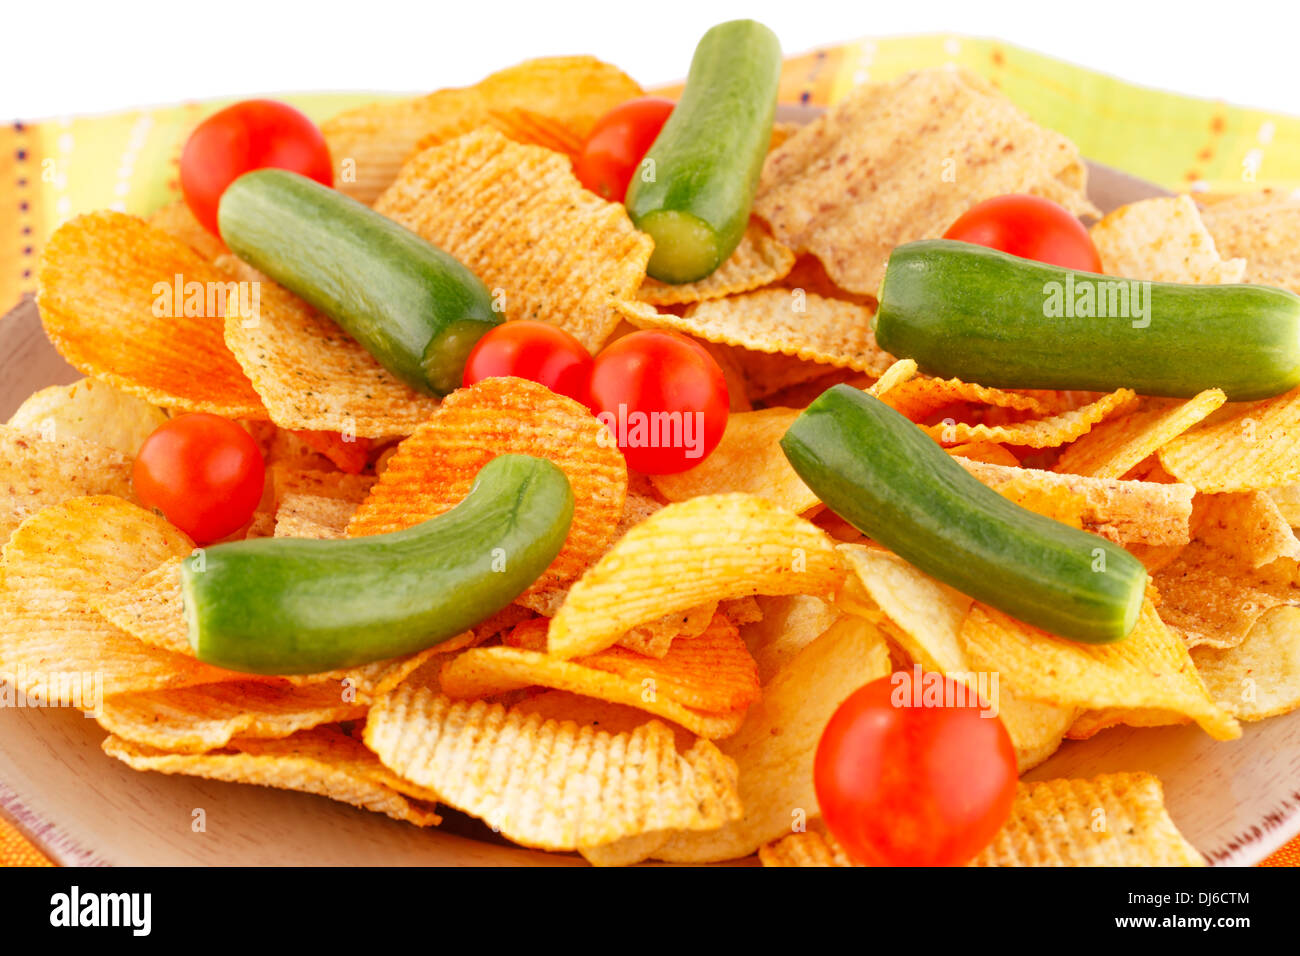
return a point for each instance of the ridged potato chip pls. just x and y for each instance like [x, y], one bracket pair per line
[710, 548]
[435, 468]
[655, 639]
[1261, 227]
[789, 624]
[1260, 677]
[550, 784]
[1247, 527]
[759, 260]
[1114, 448]
[521, 126]
[151, 608]
[1050, 432]
[91, 411]
[1162, 240]
[287, 480]
[323, 761]
[919, 398]
[313, 516]
[1208, 600]
[1253, 447]
[136, 308]
[519, 219]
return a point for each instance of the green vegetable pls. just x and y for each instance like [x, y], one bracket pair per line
[415, 308]
[298, 606]
[893, 483]
[694, 189]
[969, 312]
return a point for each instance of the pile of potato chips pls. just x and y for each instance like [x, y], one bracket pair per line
[660, 691]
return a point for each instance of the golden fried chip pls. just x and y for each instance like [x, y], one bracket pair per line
[317, 483]
[36, 473]
[919, 398]
[1287, 499]
[1051, 432]
[1114, 448]
[313, 516]
[598, 787]
[656, 638]
[710, 548]
[92, 411]
[1253, 447]
[322, 761]
[789, 624]
[986, 451]
[140, 310]
[178, 221]
[151, 608]
[434, 469]
[519, 125]
[759, 260]
[1260, 677]
[1261, 227]
[1246, 526]
[519, 219]
[895, 162]
[1148, 669]
[1208, 600]
[1091, 722]
[1162, 240]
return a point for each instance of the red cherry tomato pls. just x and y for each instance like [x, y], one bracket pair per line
[902, 783]
[254, 134]
[537, 351]
[617, 144]
[203, 472]
[663, 397]
[1030, 227]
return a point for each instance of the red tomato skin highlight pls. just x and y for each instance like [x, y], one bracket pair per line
[913, 785]
[650, 372]
[537, 351]
[1030, 227]
[253, 134]
[617, 144]
[204, 473]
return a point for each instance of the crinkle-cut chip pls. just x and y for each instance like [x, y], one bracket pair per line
[287, 480]
[1053, 823]
[775, 747]
[710, 548]
[435, 468]
[759, 260]
[1287, 499]
[151, 608]
[1051, 432]
[789, 624]
[55, 565]
[197, 719]
[91, 411]
[550, 784]
[656, 638]
[108, 301]
[1261, 227]
[519, 125]
[323, 761]
[520, 220]
[1063, 503]
[805, 326]
[312, 375]
[1148, 669]
[178, 221]
[868, 175]
[597, 714]
[1114, 448]
[767, 373]
[1127, 512]
[985, 451]
[920, 398]
[1260, 677]
[810, 275]
[1162, 240]
[313, 516]
[1253, 447]
[377, 138]
[1246, 526]
[1208, 600]
[925, 618]
[36, 473]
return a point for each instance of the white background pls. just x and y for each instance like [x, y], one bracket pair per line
[70, 57]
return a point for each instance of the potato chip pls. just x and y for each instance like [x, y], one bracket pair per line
[598, 787]
[197, 719]
[986, 451]
[1260, 677]
[151, 608]
[573, 90]
[1116, 819]
[36, 473]
[1207, 600]
[1126, 512]
[1148, 669]
[920, 398]
[519, 125]
[791, 322]
[897, 374]
[742, 610]
[656, 638]
[759, 260]
[900, 161]
[322, 761]
[178, 221]
[1261, 227]
[1246, 526]
[1051, 432]
[1162, 240]
[789, 624]
[1114, 448]
[1253, 447]
[710, 548]
[313, 516]
[802, 395]
[132, 306]
[519, 219]
[317, 483]
[1287, 499]
[435, 468]
[767, 373]
[1092, 722]
[91, 411]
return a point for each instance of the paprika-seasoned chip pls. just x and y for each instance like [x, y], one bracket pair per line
[710, 548]
[323, 761]
[92, 411]
[1261, 227]
[1114, 448]
[177, 220]
[1255, 446]
[1209, 600]
[1148, 669]
[986, 451]
[348, 452]
[1260, 677]
[435, 468]
[791, 322]
[656, 638]
[151, 608]
[1246, 526]
[136, 308]
[288, 480]
[1162, 240]
[598, 787]
[36, 473]
[310, 374]
[520, 220]
[759, 260]
[900, 161]
[1051, 432]
[313, 516]
[919, 398]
